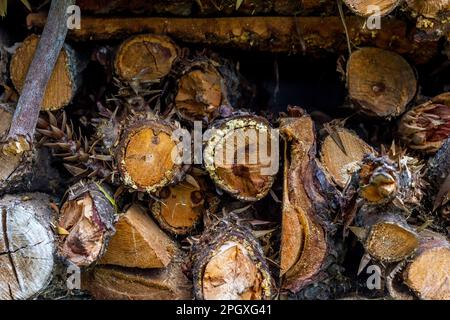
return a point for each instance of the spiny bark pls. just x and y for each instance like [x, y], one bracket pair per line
[274, 34]
[380, 83]
[228, 263]
[86, 223]
[64, 80]
[145, 57]
[27, 245]
[240, 156]
[341, 152]
[21, 133]
[116, 283]
[425, 127]
[138, 242]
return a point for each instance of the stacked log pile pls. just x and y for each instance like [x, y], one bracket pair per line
[133, 151]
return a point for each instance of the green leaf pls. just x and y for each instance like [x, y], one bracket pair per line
[238, 4]
[107, 195]
[26, 4]
[3, 7]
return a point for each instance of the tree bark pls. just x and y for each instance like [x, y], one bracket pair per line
[274, 34]
[21, 134]
[306, 209]
[86, 223]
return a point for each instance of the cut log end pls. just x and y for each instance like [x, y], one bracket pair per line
[200, 94]
[429, 273]
[366, 8]
[62, 84]
[145, 156]
[145, 57]
[390, 242]
[228, 264]
[341, 161]
[232, 275]
[86, 224]
[138, 242]
[381, 83]
[26, 245]
[180, 208]
[244, 174]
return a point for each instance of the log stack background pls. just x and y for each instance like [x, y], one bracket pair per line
[363, 173]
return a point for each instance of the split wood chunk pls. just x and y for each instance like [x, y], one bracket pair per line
[228, 264]
[366, 8]
[147, 155]
[27, 245]
[145, 57]
[381, 83]
[116, 283]
[201, 92]
[303, 238]
[86, 223]
[428, 273]
[180, 208]
[239, 156]
[426, 126]
[273, 34]
[14, 168]
[64, 81]
[341, 157]
[138, 242]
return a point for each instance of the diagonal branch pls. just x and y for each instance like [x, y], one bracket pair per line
[20, 136]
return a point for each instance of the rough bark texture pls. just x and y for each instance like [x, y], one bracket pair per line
[380, 83]
[274, 34]
[304, 244]
[27, 245]
[240, 156]
[64, 80]
[138, 242]
[21, 133]
[206, 7]
[86, 223]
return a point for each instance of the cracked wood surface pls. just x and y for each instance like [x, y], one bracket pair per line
[26, 246]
